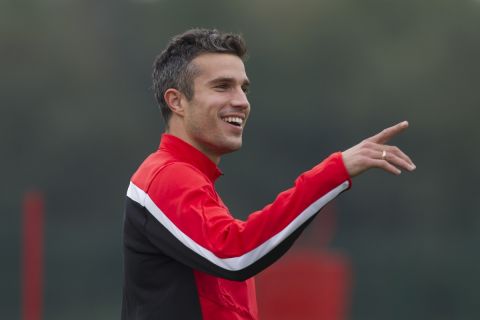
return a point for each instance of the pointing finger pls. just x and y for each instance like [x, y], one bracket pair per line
[388, 133]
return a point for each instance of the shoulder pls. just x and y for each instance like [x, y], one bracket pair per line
[179, 184]
[170, 177]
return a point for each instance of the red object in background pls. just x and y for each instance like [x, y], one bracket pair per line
[32, 256]
[306, 285]
[311, 282]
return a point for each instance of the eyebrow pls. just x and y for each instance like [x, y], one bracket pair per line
[227, 79]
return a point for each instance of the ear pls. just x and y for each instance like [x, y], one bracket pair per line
[175, 101]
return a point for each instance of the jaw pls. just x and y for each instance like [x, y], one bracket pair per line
[216, 149]
[224, 139]
[228, 138]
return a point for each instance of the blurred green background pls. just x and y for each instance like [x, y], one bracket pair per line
[77, 117]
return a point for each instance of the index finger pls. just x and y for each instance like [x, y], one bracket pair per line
[388, 133]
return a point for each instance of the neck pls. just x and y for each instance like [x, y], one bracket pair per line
[178, 132]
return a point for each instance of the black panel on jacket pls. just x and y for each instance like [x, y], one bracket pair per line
[149, 294]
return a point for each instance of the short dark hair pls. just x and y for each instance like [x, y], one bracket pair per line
[172, 68]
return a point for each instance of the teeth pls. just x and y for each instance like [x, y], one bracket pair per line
[236, 120]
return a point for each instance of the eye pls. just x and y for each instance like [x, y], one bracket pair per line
[222, 86]
[245, 89]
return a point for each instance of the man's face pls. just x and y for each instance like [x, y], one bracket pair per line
[216, 115]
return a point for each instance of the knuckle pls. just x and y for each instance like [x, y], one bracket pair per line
[374, 154]
[363, 152]
[368, 144]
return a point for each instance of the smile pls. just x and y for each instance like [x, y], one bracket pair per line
[236, 121]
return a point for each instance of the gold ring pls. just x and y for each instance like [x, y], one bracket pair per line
[384, 155]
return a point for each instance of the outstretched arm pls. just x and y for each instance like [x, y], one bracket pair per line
[373, 152]
[181, 214]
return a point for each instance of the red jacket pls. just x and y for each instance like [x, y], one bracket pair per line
[186, 257]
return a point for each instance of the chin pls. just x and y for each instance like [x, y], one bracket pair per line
[231, 146]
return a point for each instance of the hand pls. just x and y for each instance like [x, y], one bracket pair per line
[374, 153]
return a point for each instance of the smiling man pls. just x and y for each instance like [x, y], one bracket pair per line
[212, 120]
[185, 256]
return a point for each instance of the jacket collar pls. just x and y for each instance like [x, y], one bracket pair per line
[185, 152]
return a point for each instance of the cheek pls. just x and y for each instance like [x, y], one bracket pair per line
[206, 107]
[202, 117]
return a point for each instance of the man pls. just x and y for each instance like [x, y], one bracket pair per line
[185, 256]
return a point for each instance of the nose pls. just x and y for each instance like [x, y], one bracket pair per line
[240, 100]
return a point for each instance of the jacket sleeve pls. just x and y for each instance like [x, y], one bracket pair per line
[188, 222]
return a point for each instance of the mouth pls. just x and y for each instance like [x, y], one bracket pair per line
[235, 121]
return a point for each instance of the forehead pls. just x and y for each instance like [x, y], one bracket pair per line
[210, 66]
